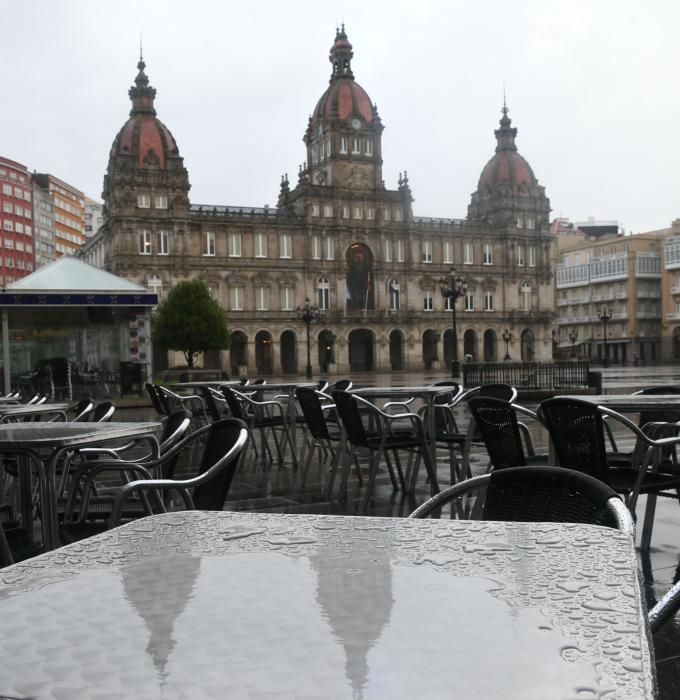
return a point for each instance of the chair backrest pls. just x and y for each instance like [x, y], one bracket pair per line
[577, 434]
[211, 406]
[533, 494]
[668, 416]
[349, 413]
[175, 429]
[313, 412]
[497, 424]
[234, 403]
[156, 400]
[506, 392]
[103, 412]
[81, 411]
[341, 385]
[226, 439]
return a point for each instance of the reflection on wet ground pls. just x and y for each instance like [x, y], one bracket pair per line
[273, 489]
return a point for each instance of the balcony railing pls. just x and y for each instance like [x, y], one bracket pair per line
[528, 375]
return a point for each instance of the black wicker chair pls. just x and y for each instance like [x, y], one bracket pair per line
[531, 494]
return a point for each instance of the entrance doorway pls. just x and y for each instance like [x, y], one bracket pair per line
[238, 351]
[326, 349]
[470, 345]
[490, 345]
[430, 339]
[527, 345]
[264, 353]
[288, 352]
[359, 279]
[361, 350]
[396, 350]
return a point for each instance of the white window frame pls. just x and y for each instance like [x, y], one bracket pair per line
[370, 213]
[426, 251]
[448, 252]
[145, 242]
[487, 258]
[163, 242]
[343, 144]
[260, 245]
[330, 248]
[368, 147]
[530, 222]
[520, 255]
[345, 211]
[532, 256]
[488, 300]
[400, 247]
[315, 210]
[285, 245]
[394, 294]
[316, 247]
[236, 298]
[208, 244]
[428, 300]
[160, 201]
[287, 298]
[356, 145]
[143, 201]
[468, 254]
[469, 300]
[323, 294]
[387, 250]
[398, 215]
[235, 248]
[262, 298]
[328, 211]
[358, 212]
[525, 297]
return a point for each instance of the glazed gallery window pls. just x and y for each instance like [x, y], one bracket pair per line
[145, 242]
[468, 254]
[470, 300]
[262, 298]
[234, 245]
[427, 251]
[287, 298]
[323, 293]
[163, 242]
[143, 201]
[428, 303]
[448, 252]
[285, 246]
[209, 243]
[394, 291]
[236, 298]
[488, 254]
[260, 245]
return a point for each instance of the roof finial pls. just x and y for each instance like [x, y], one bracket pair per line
[341, 56]
[505, 106]
[141, 53]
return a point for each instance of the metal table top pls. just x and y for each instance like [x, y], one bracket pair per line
[63, 434]
[633, 403]
[246, 605]
[399, 391]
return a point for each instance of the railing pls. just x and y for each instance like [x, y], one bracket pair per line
[529, 375]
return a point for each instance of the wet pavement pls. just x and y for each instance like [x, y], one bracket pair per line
[275, 489]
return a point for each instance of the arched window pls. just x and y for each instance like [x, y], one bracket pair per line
[395, 294]
[525, 296]
[323, 293]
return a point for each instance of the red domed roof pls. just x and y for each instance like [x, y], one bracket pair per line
[143, 135]
[344, 98]
[507, 167]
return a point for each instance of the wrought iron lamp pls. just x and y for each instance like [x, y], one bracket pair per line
[453, 288]
[307, 314]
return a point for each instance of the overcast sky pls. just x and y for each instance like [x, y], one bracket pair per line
[592, 86]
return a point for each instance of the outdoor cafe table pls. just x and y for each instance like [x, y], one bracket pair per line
[633, 403]
[10, 413]
[427, 394]
[253, 605]
[45, 443]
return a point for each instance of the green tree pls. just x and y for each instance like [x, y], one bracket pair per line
[191, 321]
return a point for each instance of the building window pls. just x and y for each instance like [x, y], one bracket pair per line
[315, 210]
[427, 251]
[398, 215]
[208, 243]
[8, 225]
[428, 303]
[18, 210]
[387, 214]
[468, 254]
[525, 297]
[448, 252]
[488, 254]
[355, 145]
[470, 300]
[488, 301]
[343, 144]
[358, 212]
[262, 298]
[27, 196]
[287, 298]
[155, 286]
[345, 212]
[330, 248]
[285, 246]
[160, 201]
[395, 294]
[163, 242]
[143, 201]
[532, 256]
[7, 189]
[520, 255]
[368, 147]
[7, 207]
[323, 294]
[260, 245]
[145, 242]
[399, 250]
[234, 245]
[19, 228]
[328, 211]
[388, 250]
[236, 298]
[370, 213]
[316, 247]
[530, 221]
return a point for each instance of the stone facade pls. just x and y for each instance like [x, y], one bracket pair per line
[342, 239]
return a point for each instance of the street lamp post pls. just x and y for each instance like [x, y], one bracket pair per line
[605, 314]
[573, 336]
[507, 339]
[307, 314]
[452, 288]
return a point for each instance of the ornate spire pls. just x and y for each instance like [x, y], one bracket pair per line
[505, 136]
[341, 56]
[142, 94]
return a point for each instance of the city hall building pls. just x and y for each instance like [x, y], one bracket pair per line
[340, 238]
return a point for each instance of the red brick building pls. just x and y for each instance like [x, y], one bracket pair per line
[17, 249]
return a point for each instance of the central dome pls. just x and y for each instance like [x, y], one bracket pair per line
[144, 135]
[344, 99]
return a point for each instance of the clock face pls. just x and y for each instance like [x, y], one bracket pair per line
[356, 124]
